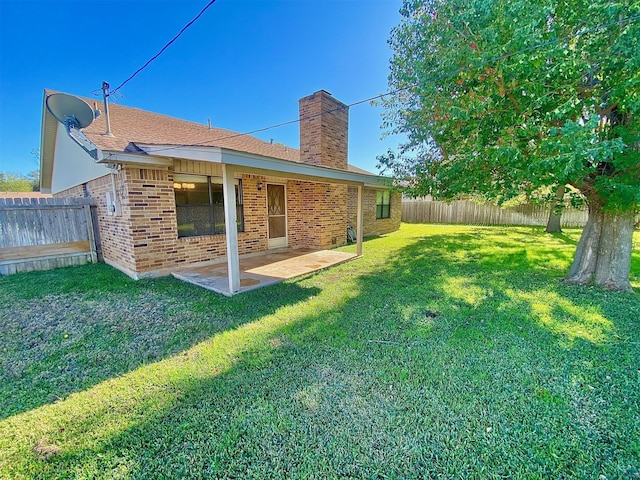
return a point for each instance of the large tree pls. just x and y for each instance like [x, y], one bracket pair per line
[500, 98]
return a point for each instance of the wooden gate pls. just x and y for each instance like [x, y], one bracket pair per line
[46, 233]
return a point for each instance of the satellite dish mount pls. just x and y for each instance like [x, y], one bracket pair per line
[75, 114]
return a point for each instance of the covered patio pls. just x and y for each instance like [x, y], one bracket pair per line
[262, 270]
[234, 277]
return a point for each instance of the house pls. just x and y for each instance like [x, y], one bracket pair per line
[165, 186]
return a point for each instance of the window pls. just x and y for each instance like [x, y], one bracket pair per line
[383, 204]
[200, 205]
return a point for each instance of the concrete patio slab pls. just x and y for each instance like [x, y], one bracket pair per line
[261, 270]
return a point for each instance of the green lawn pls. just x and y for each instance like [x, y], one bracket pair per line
[446, 351]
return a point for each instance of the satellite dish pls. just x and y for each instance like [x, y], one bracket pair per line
[67, 108]
[74, 113]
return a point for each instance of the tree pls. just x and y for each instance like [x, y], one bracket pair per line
[555, 215]
[500, 98]
[34, 175]
[34, 179]
[14, 182]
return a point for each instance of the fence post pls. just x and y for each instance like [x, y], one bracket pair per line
[90, 233]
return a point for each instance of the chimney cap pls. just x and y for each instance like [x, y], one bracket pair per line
[320, 94]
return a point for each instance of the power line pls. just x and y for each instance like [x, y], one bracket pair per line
[165, 47]
[435, 78]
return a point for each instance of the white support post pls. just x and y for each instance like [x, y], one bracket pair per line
[360, 227]
[231, 229]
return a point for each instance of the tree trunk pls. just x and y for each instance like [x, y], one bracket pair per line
[614, 255]
[603, 254]
[586, 256]
[553, 224]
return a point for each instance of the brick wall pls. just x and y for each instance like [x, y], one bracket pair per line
[318, 211]
[317, 214]
[143, 240]
[254, 238]
[372, 225]
[115, 231]
[324, 130]
[300, 211]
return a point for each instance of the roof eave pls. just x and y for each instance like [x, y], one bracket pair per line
[260, 165]
[116, 157]
[48, 134]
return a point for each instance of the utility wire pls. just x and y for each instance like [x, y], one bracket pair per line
[435, 78]
[163, 48]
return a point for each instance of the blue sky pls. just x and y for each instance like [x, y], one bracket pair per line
[244, 64]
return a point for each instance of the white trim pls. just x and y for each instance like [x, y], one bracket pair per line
[260, 165]
[47, 147]
[203, 154]
[111, 157]
[231, 227]
[359, 222]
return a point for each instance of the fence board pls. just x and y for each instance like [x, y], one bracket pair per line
[471, 213]
[44, 233]
[33, 251]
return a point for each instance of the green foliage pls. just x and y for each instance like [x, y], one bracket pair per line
[16, 182]
[444, 352]
[500, 98]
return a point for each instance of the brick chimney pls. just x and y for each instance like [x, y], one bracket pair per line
[324, 130]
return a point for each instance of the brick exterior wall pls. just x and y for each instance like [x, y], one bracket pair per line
[318, 211]
[143, 240]
[115, 231]
[372, 225]
[324, 130]
[316, 214]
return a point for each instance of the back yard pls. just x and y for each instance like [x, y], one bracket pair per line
[450, 352]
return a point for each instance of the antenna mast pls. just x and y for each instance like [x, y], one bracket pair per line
[105, 95]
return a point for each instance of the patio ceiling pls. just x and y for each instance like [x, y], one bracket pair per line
[233, 162]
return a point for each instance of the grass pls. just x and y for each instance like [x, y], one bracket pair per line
[449, 352]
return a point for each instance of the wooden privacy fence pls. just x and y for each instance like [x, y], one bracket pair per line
[471, 213]
[45, 233]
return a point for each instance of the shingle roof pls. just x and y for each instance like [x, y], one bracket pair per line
[131, 125]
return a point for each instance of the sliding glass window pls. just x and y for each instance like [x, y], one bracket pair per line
[200, 205]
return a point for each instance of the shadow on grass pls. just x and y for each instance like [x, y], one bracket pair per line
[66, 330]
[448, 356]
[563, 236]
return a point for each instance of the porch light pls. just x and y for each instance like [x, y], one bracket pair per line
[259, 185]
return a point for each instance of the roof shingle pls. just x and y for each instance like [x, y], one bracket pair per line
[131, 125]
